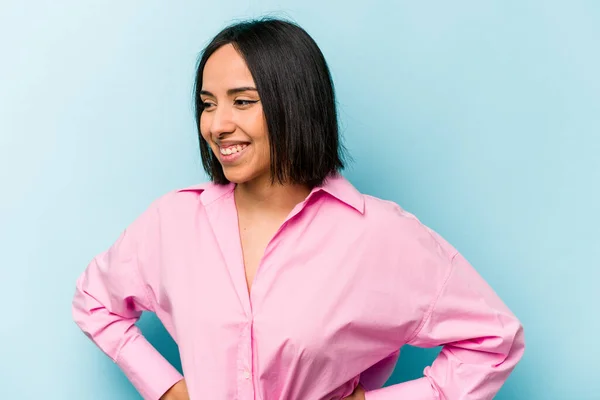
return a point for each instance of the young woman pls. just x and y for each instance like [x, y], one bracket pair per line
[278, 279]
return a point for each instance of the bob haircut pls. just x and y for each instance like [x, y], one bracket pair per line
[296, 90]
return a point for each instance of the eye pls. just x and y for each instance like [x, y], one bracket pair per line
[206, 105]
[244, 103]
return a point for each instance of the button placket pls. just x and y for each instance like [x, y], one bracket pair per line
[244, 364]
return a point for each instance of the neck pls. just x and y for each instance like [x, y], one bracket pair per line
[262, 195]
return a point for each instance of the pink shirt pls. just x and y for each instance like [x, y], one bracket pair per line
[346, 281]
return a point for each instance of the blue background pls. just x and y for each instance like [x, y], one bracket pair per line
[482, 118]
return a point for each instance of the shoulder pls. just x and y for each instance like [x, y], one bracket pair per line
[404, 229]
[182, 201]
[202, 193]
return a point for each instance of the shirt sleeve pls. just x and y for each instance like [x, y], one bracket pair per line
[481, 341]
[110, 296]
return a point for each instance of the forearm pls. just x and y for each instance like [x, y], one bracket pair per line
[115, 333]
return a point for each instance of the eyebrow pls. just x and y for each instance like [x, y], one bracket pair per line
[231, 92]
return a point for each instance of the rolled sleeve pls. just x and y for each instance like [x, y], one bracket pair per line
[481, 339]
[110, 296]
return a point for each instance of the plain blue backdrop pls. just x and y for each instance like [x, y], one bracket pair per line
[480, 117]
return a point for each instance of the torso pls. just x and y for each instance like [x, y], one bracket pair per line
[339, 288]
[255, 234]
[258, 224]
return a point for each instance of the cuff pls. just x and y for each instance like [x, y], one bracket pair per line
[418, 389]
[149, 372]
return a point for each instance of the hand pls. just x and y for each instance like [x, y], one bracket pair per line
[358, 394]
[177, 392]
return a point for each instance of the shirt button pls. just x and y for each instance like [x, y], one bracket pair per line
[246, 375]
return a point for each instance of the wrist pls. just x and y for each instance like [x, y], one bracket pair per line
[175, 391]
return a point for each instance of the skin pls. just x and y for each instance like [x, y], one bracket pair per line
[233, 115]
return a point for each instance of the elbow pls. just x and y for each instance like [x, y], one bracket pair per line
[517, 348]
[511, 347]
[86, 310]
[79, 311]
[503, 347]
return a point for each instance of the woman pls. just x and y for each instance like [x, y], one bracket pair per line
[278, 279]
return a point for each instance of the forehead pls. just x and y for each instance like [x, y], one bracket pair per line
[225, 69]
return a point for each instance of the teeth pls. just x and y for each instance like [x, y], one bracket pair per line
[233, 149]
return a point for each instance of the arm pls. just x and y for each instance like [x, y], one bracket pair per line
[109, 298]
[482, 342]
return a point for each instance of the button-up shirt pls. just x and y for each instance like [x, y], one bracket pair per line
[345, 282]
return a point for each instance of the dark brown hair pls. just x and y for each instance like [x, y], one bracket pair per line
[297, 93]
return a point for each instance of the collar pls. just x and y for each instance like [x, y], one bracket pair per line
[340, 188]
[335, 185]
[209, 192]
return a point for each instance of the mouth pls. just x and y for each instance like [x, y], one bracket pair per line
[230, 153]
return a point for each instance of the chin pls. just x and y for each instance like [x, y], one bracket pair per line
[237, 177]
[242, 175]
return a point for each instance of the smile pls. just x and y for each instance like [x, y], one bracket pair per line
[232, 149]
[229, 154]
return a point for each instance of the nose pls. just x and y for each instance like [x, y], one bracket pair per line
[221, 122]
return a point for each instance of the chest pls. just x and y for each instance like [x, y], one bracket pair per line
[324, 294]
[255, 235]
[314, 311]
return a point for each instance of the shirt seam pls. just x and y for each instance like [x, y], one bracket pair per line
[149, 300]
[146, 293]
[433, 304]
[208, 203]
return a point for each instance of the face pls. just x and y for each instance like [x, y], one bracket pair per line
[232, 122]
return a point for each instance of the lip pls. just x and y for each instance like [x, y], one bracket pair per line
[229, 143]
[231, 158]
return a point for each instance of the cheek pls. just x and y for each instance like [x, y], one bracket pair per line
[260, 131]
[264, 154]
[264, 140]
[204, 125]
[261, 141]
